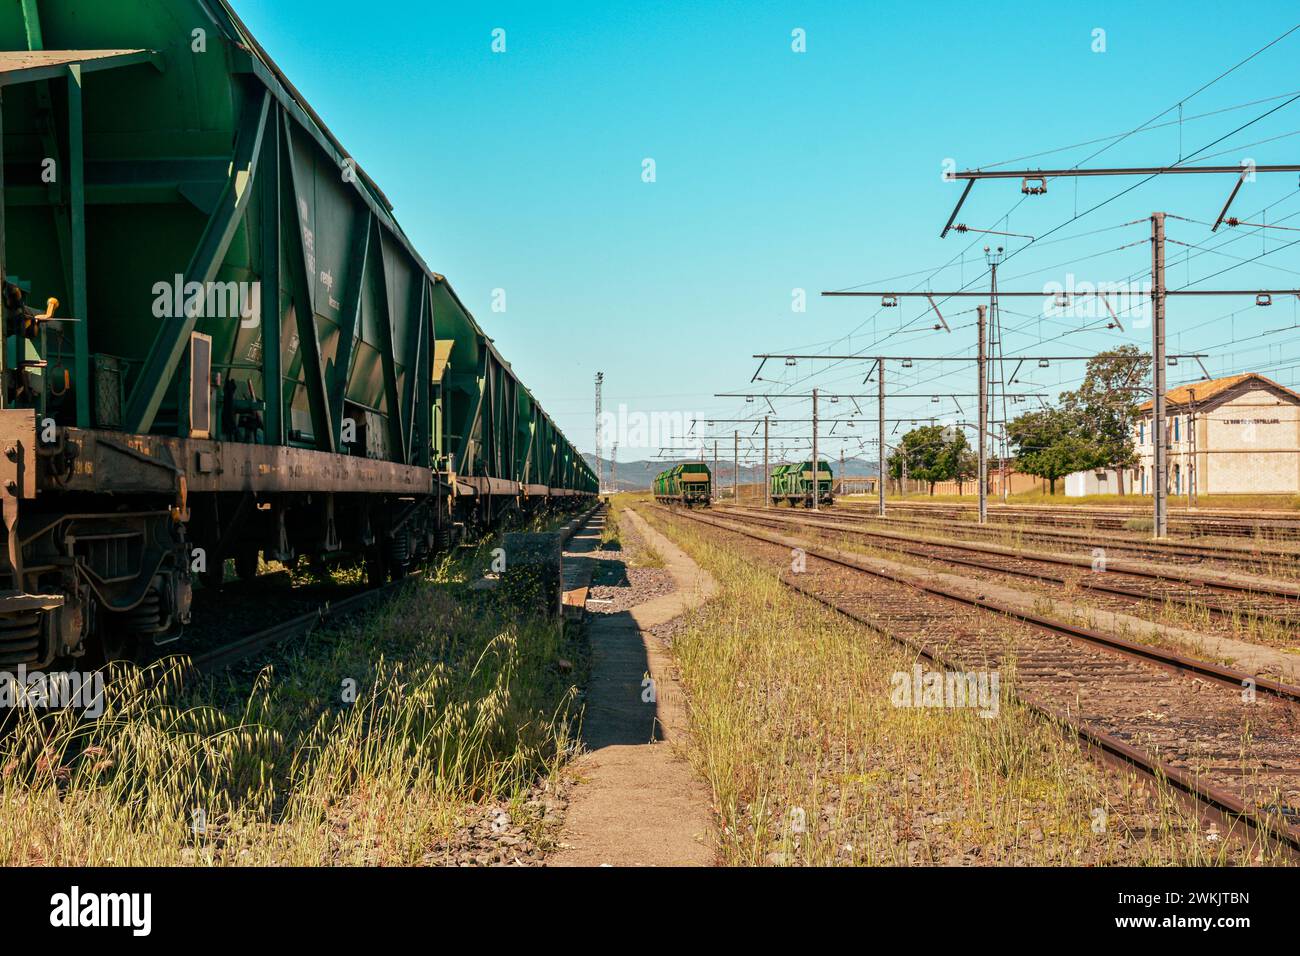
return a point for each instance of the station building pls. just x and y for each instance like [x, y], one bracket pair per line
[1238, 435]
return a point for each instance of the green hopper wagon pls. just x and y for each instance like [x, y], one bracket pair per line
[687, 484]
[247, 356]
[793, 484]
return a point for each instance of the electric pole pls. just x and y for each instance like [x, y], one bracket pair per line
[983, 372]
[815, 461]
[1159, 450]
[1004, 467]
[735, 469]
[1034, 182]
[880, 381]
[613, 469]
[600, 434]
[716, 476]
[767, 471]
[1194, 470]
[994, 322]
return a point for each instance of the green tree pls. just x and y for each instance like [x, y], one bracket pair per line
[1106, 406]
[932, 454]
[1052, 443]
[966, 465]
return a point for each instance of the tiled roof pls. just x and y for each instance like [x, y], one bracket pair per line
[1182, 395]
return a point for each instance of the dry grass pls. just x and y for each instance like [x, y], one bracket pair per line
[809, 762]
[366, 746]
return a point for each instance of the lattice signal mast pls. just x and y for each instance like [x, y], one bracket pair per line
[600, 435]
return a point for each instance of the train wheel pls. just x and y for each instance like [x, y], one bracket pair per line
[214, 576]
[246, 563]
[114, 641]
[376, 570]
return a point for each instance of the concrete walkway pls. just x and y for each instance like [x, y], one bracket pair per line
[638, 802]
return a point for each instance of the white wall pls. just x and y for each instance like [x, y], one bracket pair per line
[1091, 483]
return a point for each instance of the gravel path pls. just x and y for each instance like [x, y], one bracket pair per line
[619, 582]
[501, 835]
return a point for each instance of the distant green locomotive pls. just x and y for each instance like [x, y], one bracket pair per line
[793, 484]
[689, 484]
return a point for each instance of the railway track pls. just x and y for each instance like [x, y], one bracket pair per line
[1280, 526]
[1221, 736]
[296, 628]
[1222, 597]
[1180, 552]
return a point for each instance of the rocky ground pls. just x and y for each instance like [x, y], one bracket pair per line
[623, 577]
[632, 586]
[506, 835]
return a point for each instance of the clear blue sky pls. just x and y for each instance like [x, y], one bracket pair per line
[778, 170]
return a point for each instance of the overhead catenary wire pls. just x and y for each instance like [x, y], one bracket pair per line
[908, 329]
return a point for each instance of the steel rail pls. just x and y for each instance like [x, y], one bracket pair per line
[1201, 668]
[295, 628]
[1217, 798]
[1120, 511]
[1222, 800]
[1204, 526]
[304, 624]
[1165, 549]
[1275, 590]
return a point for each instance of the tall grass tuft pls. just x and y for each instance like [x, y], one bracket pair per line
[367, 745]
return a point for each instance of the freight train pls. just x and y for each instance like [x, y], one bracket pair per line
[247, 357]
[688, 484]
[793, 484]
